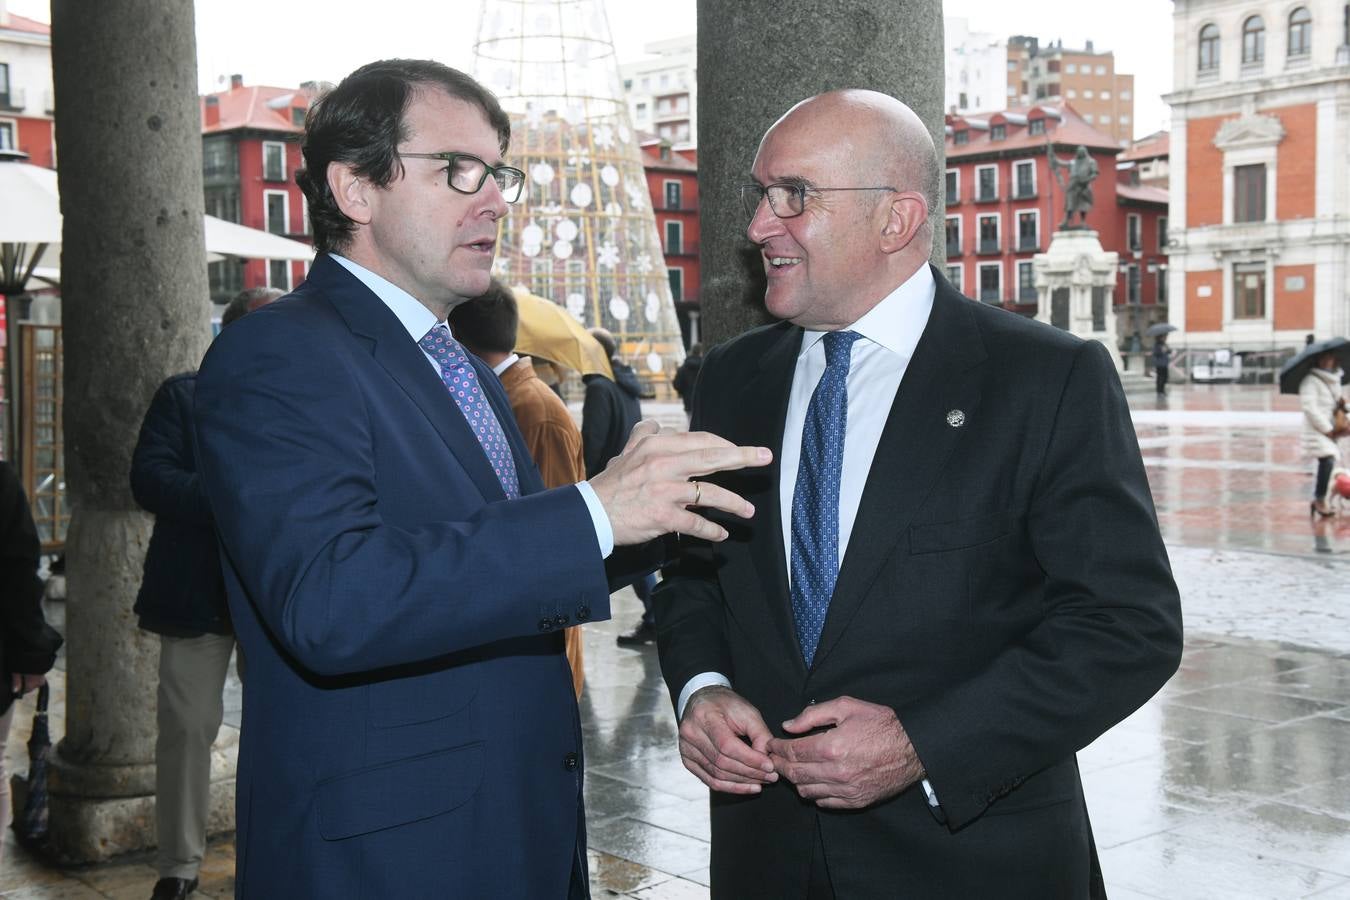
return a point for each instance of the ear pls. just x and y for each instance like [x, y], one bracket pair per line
[351, 192]
[905, 216]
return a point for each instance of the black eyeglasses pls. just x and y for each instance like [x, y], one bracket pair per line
[787, 198]
[467, 174]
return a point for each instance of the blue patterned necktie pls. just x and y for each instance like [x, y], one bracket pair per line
[815, 499]
[460, 379]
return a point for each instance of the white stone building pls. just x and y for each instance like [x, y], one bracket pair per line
[977, 68]
[662, 91]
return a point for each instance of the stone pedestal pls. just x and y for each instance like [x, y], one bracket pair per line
[1075, 280]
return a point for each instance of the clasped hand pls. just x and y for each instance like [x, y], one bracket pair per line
[862, 756]
[647, 490]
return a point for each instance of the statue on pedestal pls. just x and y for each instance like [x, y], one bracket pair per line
[1078, 192]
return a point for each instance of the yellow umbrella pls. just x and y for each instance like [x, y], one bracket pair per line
[548, 331]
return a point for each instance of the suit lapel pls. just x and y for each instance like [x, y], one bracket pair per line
[914, 446]
[390, 345]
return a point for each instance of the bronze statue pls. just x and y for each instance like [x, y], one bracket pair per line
[1078, 192]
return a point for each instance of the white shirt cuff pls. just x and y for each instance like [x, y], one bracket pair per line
[604, 532]
[701, 680]
[932, 794]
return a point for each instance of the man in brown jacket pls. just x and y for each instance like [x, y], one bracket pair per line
[487, 328]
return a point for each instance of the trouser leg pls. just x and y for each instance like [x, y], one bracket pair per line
[191, 707]
[6, 804]
[1324, 466]
[643, 587]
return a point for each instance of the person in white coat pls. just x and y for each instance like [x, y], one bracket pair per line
[1320, 394]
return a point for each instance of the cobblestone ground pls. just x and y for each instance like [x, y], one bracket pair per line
[1234, 782]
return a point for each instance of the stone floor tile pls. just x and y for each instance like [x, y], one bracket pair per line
[675, 889]
[1180, 866]
[612, 876]
[1251, 703]
[648, 845]
[689, 817]
[1280, 831]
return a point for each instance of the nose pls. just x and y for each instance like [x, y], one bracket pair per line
[494, 203]
[763, 224]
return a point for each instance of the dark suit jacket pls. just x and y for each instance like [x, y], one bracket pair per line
[1005, 590]
[409, 727]
[28, 644]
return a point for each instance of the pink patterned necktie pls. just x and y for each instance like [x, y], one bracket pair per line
[460, 379]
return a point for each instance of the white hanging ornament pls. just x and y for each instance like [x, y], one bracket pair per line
[541, 173]
[582, 195]
[566, 230]
[562, 249]
[576, 305]
[609, 175]
[531, 234]
[654, 363]
[618, 308]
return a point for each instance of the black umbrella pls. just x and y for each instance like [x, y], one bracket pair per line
[30, 826]
[1160, 328]
[1293, 371]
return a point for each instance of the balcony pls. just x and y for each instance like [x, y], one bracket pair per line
[1025, 192]
[1026, 244]
[986, 196]
[686, 248]
[1026, 294]
[953, 249]
[987, 247]
[13, 100]
[990, 295]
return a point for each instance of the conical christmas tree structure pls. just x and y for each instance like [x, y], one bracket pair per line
[583, 234]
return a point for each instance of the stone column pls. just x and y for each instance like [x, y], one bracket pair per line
[756, 58]
[135, 310]
[1075, 280]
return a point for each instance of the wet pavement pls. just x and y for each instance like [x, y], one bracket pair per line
[1234, 782]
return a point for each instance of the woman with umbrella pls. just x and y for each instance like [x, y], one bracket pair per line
[1162, 356]
[1319, 375]
[28, 644]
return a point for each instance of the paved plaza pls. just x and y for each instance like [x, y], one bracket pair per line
[1234, 782]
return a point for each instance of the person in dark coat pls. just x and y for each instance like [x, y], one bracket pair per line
[28, 644]
[1162, 358]
[686, 376]
[182, 599]
[608, 414]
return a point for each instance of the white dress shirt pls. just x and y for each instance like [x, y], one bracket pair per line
[417, 320]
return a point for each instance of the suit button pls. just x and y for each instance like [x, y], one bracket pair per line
[570, 762]
[560, 620]
[583, 614]
[545, 624]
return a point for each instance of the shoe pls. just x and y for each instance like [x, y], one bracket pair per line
[173, 889]
[644, 633]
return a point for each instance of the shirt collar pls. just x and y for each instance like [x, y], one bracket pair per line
[500, 368]
[414, 317]
[897, 322]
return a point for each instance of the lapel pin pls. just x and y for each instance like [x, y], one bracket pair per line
[956, 418]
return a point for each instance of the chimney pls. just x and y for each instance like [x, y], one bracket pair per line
[1089, 46]
[236, 81]
[212, 110]
[4, 13]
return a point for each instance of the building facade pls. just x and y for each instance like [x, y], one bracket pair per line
[976, 62]
[1004, 203]
[250, 151]
[672, 181]
[662, 91]
[1085, 79]
[1260, 172]
[26, 98]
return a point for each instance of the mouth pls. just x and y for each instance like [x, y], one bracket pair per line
[781, 263]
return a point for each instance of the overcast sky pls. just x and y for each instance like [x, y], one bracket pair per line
[285, 42]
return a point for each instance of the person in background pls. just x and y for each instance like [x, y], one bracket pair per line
[28, 644]
[686, 376]
[487, 326]
[182, 599]
[1162, 359]
[1320, 395]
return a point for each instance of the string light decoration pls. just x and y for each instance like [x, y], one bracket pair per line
[583, 234]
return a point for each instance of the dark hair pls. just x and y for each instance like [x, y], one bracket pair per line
[606, 340]
[487, 323]
[247, 301]
[361, 123]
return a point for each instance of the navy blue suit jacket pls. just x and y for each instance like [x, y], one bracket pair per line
[409, 728]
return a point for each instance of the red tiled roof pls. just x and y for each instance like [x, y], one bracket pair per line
[22, 23]
[1141, 193]
[1151, 147]
[651, 159]
[1070, 129]
[256, 106]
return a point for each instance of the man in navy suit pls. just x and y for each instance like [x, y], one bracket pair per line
[398, 577]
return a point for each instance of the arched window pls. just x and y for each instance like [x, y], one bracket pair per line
[1300, 32]
[1253, 41]
[1209, 48]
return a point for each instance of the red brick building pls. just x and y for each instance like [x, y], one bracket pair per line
[1004, 204]
[672, 182]
[250, 151]
[26, 105]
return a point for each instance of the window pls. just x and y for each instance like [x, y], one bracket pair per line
[954, 273]
[988, 228]
[991, 282]
[1249, 193]
[953, 237]
[1070, 68]
[1209, 48]
[1052, 66]
[1088, 118]
[4, 84]
[1012, 65]
[1300, 32]
[1024, 176]
[7, 136]
[1160, 286]
[1124, 95]
[961, 137]
[1249, 291]
[277, 217]
[673, 197]
[1071, 94]
[1132, 284]
[1028, 230]
[998, 132]
[674, 238]
[1162, 234]
[1087, 95]
[1124, 120]
[953, 187]
[1101, 70]
[274, 161]
[1036, 126]
[676, 276]
[986, 178]
[1253, 41]
[961, 101]
[1105, 95]
[1026, 282]
[279, 274]
[1132, 236]
[641, 112]
[1105, 120]
[1012, 91]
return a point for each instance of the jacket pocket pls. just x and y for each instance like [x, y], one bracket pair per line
[422, 698]
[398, 793]
[962, 533]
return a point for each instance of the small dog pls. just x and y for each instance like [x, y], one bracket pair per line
[1338, 492]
